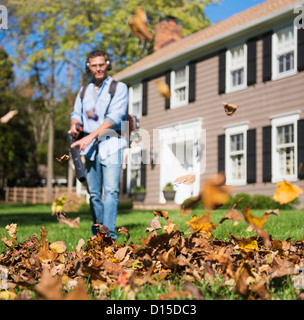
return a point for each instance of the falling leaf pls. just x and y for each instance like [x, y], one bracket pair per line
[170, 226]
[58, 204]
[124, 230]
[63, 218]
[7, 117]
[187, 179]
[11, 229]
[276, 212]
[63, 158]
[202, 225]
[163, 89]
[233, 214]
[215, 193]
[138, 24]
[160, 213]
[155, 225]
[286, 192]
[229, 108]
[81, 242]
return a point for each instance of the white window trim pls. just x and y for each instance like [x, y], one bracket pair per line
[277, 121]
[229, 87]
[275, 72]
[232, 130]
[132, 100]
[132, 151]
[173, 103]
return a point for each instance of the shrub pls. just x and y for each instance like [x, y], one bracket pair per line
[197, 205]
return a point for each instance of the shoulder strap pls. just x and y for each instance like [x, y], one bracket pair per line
[112, 90]
[82, 93]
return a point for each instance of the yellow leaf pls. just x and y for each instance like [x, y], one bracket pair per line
[286, 192]
[248, 244]
[163, 89]
[215, 193]
[7, 295]
[202, 225]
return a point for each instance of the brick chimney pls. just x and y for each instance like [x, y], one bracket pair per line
[166, 32]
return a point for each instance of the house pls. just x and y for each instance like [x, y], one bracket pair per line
[254, 60]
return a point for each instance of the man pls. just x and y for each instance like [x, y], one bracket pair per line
[101, 146]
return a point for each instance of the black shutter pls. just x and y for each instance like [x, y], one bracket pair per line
[267, 56]
[168, 82]
[222, 72]
[221, 153]
[251, 62]
[251, 156]
[145, 98]
[192, 81]
[301, 148]
[124, 181]
[300, 49]
[267, 154]
[143, 168]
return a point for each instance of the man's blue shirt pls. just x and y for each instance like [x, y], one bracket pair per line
[94, 109]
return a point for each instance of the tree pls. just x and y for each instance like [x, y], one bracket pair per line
[52, 36]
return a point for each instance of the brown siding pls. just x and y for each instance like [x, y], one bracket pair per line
[256, 104]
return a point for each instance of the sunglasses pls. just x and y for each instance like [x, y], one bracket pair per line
[94, 66]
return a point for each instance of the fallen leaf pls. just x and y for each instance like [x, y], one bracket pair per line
[248, 244]
[286, 192]
[202, 225]
[58, 246]
[257, 224]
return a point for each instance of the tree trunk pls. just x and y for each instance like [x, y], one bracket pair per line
[50, 157]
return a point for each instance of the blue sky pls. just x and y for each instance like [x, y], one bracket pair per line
[227, 8]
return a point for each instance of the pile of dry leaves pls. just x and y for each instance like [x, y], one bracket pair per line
[246, 265]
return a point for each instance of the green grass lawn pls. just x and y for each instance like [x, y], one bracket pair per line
[30, 218]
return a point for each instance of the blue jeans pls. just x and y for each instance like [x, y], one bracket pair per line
[104, 175]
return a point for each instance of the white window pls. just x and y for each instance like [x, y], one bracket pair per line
[135, 100]
[284, 59]
[179, 87]
[284, 147]
[134, 168]
[236, 70]
[236, 154]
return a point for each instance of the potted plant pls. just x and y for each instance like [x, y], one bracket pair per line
[138, 194]
[169, 192]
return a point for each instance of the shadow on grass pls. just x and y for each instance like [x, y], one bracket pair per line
[37, 218]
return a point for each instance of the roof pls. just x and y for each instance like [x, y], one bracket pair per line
[187, 46]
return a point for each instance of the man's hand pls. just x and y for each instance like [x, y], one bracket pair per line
[82, 143]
